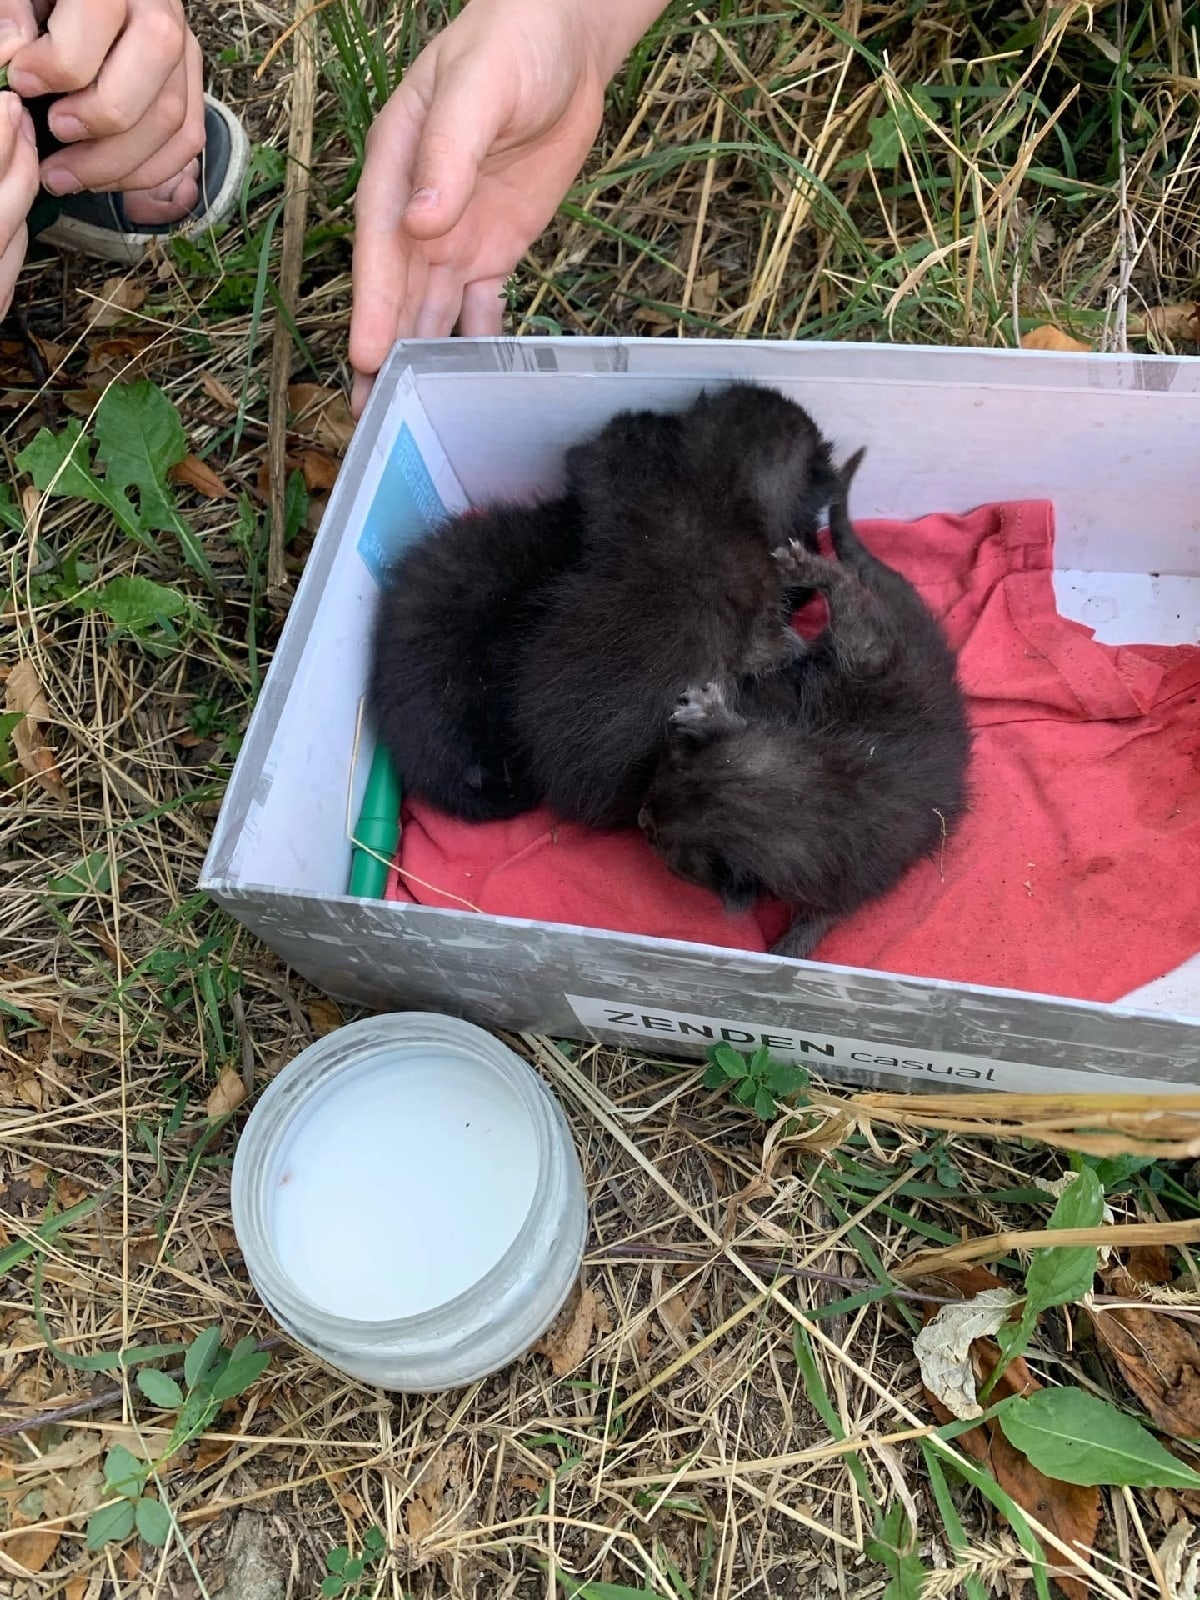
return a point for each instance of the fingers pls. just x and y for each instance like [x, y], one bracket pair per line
[381, 251]
[155, 150]
[437, 311]
[483, 309]
[18, 26]
[463, 121]
[69, 55]
[139, 71]
[18, 189]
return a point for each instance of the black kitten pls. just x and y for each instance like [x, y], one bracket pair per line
[453, 610]
[824, 784]
[677, 584]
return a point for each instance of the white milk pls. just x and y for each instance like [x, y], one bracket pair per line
[404, 1184]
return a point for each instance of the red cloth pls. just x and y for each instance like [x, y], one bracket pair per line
[1077, 871]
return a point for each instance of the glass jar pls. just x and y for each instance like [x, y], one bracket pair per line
[409, 1202]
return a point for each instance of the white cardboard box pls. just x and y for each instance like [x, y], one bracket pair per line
[1113, 441]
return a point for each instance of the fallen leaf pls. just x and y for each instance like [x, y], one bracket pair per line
[1169, 322]
[52, 354]
[1067, 1510]
[323, 1016]
[216, 390]
[705, 291]
[320, 470]
[198, 475]
[1050, 338]
[943, 1347]
[118, 297]
[32, 1548]
[209, 1452]
[567, 1339]
[119, 357]
[228, 1094]
[24, 693]
[1181, 1580]
[75, 1588]
[323, 414]
[1158, 1355]
[419, 1519]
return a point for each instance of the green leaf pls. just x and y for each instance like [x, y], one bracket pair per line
[587, 1589]
[92, 875]
[374, 1543]
[745, 1092]
[760, 1061]
[201, 1354]
[1081, 1204]
[240, 1375]
[139, 439]
[1078, 1438]
[899, 126]
[714, 1077]
[1058, 1277]
[58, 465]
[111, 1524]
[135, 604]
[764, 1105]
[153, 1521]
[731, 1062]
[332, 1586]
[337, 1558]
[160, 1388]
[893, 1547]
[123, 1472]
[9, 720]
[783, 1079]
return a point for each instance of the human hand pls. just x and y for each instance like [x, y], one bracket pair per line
[468, 161]
[130, 76]
[18, 184]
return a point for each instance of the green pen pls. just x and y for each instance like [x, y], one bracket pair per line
[378, 830]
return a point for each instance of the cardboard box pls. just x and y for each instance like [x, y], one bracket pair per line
[1114, 441]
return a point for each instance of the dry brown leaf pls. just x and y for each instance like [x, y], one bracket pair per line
[23, 692]
[323, 1016]
[120, 357]
[81, 402]
[419, 1519]
[209, 1452]
[1169, 322]
[216, 390]
[75, 1588]
[567, 1339]
[323, 414]
[1158, 1355]
[198, 475]
[1048, 337]
[52, 354]
[228, 1094]
[119, 297]
[1068, 1510]
[705, 291]
[32, 1548]
[320, 470]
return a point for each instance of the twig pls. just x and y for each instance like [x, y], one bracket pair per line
[295, 224]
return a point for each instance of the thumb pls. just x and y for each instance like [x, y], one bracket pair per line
[18, 26]
[469, 107]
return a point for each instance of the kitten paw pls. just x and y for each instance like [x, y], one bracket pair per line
[698, 704]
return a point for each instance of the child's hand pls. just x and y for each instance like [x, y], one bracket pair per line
[130, 71]
[18, 189]
[469, 159]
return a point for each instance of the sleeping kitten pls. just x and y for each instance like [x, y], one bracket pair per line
[453, 610]
[677, 583]
[824, 784]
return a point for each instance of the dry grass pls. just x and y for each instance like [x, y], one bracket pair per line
[685, 1453]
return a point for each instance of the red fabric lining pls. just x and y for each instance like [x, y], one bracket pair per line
[1077, 871]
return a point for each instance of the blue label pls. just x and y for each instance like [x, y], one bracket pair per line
[406, 505]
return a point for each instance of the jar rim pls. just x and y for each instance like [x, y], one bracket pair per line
[356, 1044]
